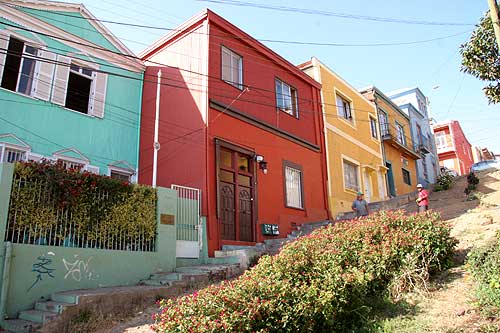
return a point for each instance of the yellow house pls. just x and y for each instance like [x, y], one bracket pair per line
[397, 145]
[353, 146]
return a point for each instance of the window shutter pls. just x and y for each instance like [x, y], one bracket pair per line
[99, 95]
[4, 44]
[43, 75]
[61, 80]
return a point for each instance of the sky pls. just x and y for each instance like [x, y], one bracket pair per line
[433, 66]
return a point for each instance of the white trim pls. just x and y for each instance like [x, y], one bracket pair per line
[80, 8]
[4, 146]
[353, 140]
[358, 173]
[377, 127]
[60, 155]
[339, 93]
[69, 39]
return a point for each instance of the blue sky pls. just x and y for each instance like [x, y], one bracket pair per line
[425, 65]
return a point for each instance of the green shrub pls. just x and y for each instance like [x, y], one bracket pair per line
[320, 282]
[46, 197]
[437, 188]
[472, 179]
[445, 181]
[484, 264]
[470, 187]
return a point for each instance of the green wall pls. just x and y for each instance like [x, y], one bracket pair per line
[48, 127]
[79, 268]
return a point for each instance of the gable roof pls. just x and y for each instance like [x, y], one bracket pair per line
[315, 61]
[386, 99]
[211, 17]
[123, 58]
[78, 8]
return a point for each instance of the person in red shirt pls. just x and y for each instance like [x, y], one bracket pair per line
[423, 199]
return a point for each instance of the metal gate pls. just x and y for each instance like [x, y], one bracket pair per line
[188, 224]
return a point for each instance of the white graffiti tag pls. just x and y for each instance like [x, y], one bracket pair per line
[78, 269]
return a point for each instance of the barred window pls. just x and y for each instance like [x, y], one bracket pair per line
[293, 187]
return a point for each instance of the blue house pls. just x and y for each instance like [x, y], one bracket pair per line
[414, 103]
[70, 91]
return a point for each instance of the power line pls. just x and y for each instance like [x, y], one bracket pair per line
[279, 41]
[161, 64]
[335, 14]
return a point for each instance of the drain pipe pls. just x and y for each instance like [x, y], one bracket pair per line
[5, 279]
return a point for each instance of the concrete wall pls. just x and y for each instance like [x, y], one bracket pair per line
[37, 271]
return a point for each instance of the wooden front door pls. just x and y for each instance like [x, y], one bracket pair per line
[235, 191]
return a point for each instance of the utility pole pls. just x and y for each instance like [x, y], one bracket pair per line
[495, 19]
[156, 144]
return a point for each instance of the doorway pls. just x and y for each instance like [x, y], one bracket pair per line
[390, 179]
[235, 191]
[368, 186]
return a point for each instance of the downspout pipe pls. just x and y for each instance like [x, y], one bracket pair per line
[5, 280]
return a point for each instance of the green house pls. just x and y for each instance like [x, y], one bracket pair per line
[70, 91]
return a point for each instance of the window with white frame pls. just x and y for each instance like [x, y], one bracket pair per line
[293, 185]
[351, 176]
[373, 127]
[344, 108]
[19, 66]
[79, 88]
[122, 175]
[232, 68]
[286, 98]
[383, 123]
[440, 138]
[400, 134]
[12, 155]
[71, 164]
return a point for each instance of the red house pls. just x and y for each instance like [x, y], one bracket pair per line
[238, 122]
[453, 148]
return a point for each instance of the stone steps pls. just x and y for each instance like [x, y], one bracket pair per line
[55, 314]
[249, 254]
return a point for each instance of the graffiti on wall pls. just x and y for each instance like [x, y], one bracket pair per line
[78, 269]
[42, 267]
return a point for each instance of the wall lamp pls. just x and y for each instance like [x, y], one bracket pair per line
[262, 163]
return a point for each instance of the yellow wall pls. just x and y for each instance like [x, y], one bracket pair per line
[350, 140]
[394, 154]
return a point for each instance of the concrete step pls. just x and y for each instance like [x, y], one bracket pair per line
[156, 282]
[37, 316]
[169, 276]
[64, 297]
[20, 326]
[52, 306]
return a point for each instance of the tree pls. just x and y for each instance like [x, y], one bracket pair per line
[481, 58]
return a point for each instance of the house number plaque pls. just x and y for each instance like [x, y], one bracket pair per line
[167, 219]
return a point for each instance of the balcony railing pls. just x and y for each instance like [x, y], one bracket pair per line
[391, 136]
[424, 146]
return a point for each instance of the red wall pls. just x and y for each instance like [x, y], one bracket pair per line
[463, 148]
[188, 157]
[259, 73]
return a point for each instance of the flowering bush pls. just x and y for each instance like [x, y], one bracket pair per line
[319, 283]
